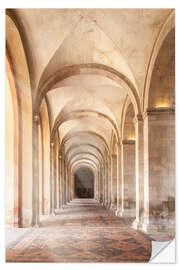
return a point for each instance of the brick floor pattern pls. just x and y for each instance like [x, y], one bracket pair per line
[83, 231]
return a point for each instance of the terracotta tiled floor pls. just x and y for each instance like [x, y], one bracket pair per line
[83, 231]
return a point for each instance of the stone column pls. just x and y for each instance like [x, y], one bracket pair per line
[72, 186]
[120, 187]
[106, 183]
[159, 172]
[63, 179]
[139, 165]
[52, 179]
[101, 184]
[57, 180]
[60, 182]
[69, 184]
[128, 178]
[64, 176]
[109, 181]
[96, 185]
[65, 183]
[55, 177]
[35, 200]
[114, 182]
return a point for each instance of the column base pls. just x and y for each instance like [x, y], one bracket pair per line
[106, 204]
[128, 213]
[37, 225]
[136, 224]
[53, 213]
[165, 227]
[113, 207]
[58, 211]
[119, 213]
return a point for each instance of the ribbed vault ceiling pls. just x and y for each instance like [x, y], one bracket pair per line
[86, 108]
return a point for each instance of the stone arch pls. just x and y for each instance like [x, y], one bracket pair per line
[159, 134]
[69, 136]
[84, 157]
[86, 152]
[12, 104]
[128, 124]
[89, 68]
[162, 85]
[16, 21]
[128, 160]
[20, 75]
[45, 126]
[80, 163]
[79, 113]
[89, 145]
[167, 27]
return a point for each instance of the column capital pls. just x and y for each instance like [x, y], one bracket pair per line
[52, 144]
[118, 144]
[138, 118]
[158, 111]
[128, 142]
[36, 119]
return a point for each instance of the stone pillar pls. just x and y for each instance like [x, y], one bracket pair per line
[109, 181]
[35, 194]
[120, 187]
[128, 178]
[101, 184]
[60, 182]
[65, 182]
[55, 177]
[159, 172]
[114, 182]
[139, 165]
[72, 185]
[106, 183]
[96, 185]
[69, 184]
[62, 178]
[52, 179]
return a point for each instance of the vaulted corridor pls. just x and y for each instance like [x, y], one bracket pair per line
[90, 133]
[84, 231]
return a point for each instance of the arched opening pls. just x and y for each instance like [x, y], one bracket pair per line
[159, 134]
[128, 162]
[84, 183]
[12, 150]
[19, 127]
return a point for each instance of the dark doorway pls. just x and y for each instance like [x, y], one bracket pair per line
[84, 183]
